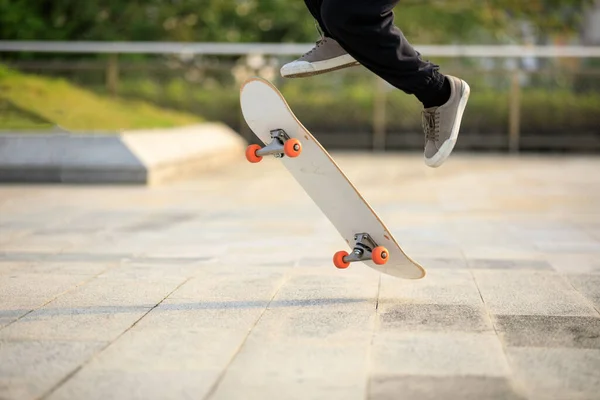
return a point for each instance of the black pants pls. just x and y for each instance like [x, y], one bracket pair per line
[366, 30]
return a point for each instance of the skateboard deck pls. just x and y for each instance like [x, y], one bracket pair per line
[267, 114]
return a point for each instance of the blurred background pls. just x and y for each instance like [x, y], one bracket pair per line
[519, 102]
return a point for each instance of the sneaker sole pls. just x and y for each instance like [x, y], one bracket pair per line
[446, 149]
[320, 72]
[321, 67]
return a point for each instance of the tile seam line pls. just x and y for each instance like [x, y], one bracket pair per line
[370, 349]
[64, 380]
[64, 292]
[580, 294]
[215, 386]
[517, 385]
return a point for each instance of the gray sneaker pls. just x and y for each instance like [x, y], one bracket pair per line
[326, 56]
[441, 124]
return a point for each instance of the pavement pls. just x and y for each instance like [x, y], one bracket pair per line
[222, 286]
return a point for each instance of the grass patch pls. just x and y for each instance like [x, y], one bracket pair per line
[34, 102]
[14, 118]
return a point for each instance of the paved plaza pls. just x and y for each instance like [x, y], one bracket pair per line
[222, 286]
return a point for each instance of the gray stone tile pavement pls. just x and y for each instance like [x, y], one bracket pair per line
[222, 286]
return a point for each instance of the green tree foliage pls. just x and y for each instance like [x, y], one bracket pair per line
[153, 20]
[423, 21]
[489, 21]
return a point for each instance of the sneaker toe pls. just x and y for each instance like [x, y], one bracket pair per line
[296, 67]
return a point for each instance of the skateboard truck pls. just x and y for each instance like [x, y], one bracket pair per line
[365, 249]
[281, 144]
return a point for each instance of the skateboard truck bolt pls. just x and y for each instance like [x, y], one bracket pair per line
[365, 249]
[278, 138]
[281, 145]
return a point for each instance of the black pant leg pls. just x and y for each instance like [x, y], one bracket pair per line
[366, 30]
[314, 6]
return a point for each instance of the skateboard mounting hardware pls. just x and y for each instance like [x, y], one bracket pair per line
[278, 138]
[365, 249]
[281, 145]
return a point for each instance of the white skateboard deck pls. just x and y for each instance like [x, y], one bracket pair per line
[264, 110]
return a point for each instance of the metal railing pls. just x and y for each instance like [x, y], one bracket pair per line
[510, 51]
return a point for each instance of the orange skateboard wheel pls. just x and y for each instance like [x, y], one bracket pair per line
[292, 148]
[338, 260]
[251, 153]
[380, 255]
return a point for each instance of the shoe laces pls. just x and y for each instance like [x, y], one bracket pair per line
[431, 124]
[318, 44]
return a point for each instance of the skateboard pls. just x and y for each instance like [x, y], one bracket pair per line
[270, 118]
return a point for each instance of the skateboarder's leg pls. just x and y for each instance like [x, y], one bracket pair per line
[314, 6]
[366, 30]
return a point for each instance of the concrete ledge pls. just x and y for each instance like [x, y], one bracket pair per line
[140, 157]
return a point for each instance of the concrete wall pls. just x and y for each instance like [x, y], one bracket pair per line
[140, 157]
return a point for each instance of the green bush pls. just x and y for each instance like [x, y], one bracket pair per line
[559, 111]
[345, 103]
